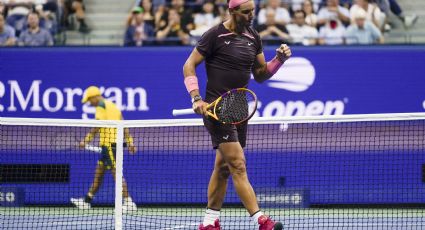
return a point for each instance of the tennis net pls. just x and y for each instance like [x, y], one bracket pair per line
[329, 172]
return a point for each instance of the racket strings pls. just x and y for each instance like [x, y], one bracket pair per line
[233, 107]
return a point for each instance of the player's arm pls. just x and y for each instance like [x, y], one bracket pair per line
[191, 81]
[89, 137]
[264, 70]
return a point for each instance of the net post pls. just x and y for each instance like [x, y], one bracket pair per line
[119, 176]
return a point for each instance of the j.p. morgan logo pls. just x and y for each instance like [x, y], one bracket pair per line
[52, 99]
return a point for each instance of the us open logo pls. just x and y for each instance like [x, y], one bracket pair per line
[297, 75]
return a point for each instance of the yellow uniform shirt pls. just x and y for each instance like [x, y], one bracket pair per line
[106, 110]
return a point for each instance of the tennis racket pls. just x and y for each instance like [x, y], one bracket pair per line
[68, 141]
[233, 107]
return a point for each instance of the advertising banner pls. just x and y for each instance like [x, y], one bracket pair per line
[147, 83]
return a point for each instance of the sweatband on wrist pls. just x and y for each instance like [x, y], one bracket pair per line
[274, 65]
[191, 83]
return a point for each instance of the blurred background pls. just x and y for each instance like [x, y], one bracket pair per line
[181, 22]
[349, 57]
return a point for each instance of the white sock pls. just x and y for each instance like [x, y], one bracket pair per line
[128, 199]
[210, 217]
[256, 216]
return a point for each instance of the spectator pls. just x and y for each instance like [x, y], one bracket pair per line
[160, 19]
[332, 33]
[48, 18]
[76, 7]
[7, 33]
[300, 32]
[205, 20]
[34, 35]
[298, 5]
[176, 33]
[388, 6]
[373, 13]
[185, 15]
[17, 12]
[148, 12]
[186, 18]
[282, 16]
[333, 11]
[271, 32]
[363, 31]
[155, 4]
[138, 32]
[311, 16]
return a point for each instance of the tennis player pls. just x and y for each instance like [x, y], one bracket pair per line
[232, 51]
[105, 110]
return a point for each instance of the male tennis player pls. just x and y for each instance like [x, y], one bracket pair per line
[232, 51]
[105, 110]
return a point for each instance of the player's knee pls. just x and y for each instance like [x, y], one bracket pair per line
[223, 171]
[238, 167]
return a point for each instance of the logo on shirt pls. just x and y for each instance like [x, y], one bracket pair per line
[227, 42]
[250, 43]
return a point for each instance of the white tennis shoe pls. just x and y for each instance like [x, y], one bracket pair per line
[129, 206]
[80, 203]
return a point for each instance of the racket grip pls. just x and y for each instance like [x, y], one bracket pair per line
[178, 112]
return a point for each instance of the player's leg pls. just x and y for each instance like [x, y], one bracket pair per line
[98, 179]
[235, 158]
[128, 204]
[216, 191]
[125, 193]
[85, 203]
[233, 155]
[217, 186]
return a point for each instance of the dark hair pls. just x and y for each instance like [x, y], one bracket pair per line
[300, 11]
[310, 1]
[34, 13]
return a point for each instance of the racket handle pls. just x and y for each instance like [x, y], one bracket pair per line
[178, 112]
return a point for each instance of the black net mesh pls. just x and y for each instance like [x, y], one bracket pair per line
[334, 175]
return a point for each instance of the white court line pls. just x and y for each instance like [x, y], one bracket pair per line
[181, 226]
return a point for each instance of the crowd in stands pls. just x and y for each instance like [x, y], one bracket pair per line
[39, 22]
[304, 22]
[182, 22]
